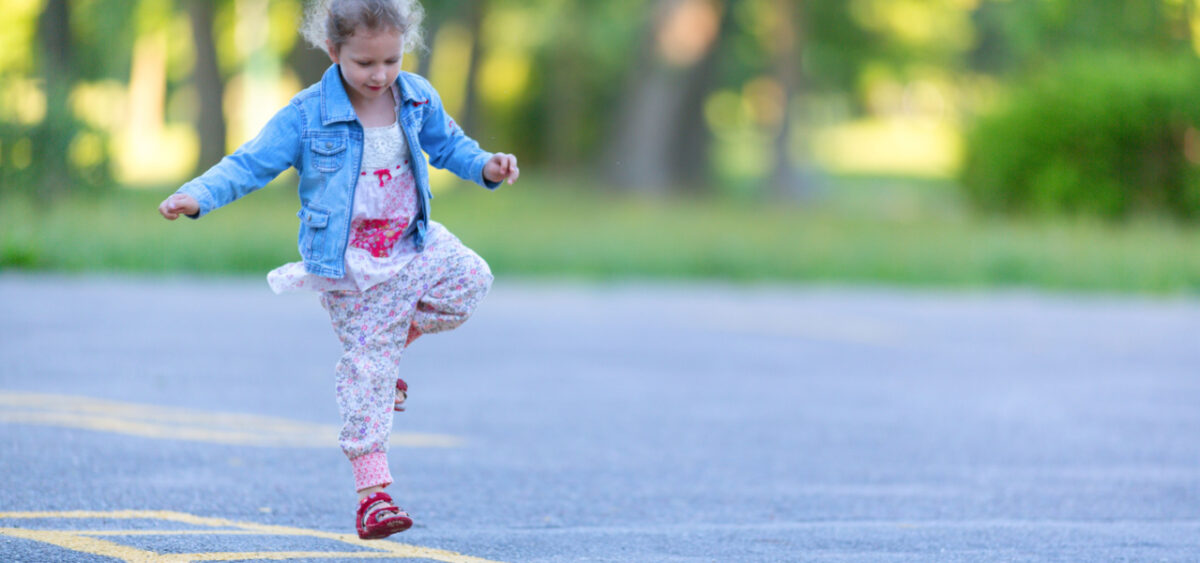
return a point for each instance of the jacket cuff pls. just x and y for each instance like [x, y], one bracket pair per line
[202, 197]
[477, 171]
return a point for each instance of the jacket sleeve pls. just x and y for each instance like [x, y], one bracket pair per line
[448, 146]
[252, 166]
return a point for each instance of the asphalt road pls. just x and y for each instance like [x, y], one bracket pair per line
[191, 419]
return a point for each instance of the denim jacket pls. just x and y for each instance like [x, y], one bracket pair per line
[319, 134]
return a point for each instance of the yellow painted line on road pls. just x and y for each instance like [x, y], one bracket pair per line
[173, 423]
[282, 556]
[167, 532]
[83, 541]
[74, 542]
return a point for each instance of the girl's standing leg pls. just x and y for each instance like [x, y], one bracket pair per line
[437, 291]
[372, 326]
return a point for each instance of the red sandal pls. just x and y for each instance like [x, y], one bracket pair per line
[373, 523]
[401, 387]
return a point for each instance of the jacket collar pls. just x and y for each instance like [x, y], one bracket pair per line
[408, 89]
[335, 103]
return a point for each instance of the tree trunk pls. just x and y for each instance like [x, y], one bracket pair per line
[637, 159]
[689, 159]
[651, 117]
[436, 14]
[474, 22]
[308, 62]
[425, 61]
[564, 95]
[786, 179]
[210, 87]
[1185, 26]
[54, 32]
[52, 138]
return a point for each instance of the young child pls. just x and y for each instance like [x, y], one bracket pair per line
[386, 271]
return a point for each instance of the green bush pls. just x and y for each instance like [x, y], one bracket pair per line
[1107, 135]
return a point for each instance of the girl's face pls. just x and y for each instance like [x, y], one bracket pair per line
[370, 61]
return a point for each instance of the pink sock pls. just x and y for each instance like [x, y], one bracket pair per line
[371, 470]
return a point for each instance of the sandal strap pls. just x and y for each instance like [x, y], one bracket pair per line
[367, 511]
[374, 498]
[375, 514]
[371, 500]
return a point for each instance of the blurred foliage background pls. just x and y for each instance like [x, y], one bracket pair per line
[1053, 143]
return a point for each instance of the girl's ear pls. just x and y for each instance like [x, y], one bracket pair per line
[332, 50]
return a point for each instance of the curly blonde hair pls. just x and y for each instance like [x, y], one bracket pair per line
[337, 20]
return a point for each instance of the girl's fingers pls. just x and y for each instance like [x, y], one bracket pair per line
[165, 210]
[181, 204]
[510, 168]
[178, 204]
[506, 167]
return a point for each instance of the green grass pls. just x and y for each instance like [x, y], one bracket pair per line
[855, 231]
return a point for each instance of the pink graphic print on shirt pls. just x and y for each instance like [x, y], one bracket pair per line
[396, 197]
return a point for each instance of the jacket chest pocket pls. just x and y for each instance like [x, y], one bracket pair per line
[328, 153]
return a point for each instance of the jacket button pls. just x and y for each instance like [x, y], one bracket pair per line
[329, 145]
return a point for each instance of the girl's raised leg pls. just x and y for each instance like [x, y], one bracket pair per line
[456, 280]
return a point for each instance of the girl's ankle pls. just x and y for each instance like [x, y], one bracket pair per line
[369, 491]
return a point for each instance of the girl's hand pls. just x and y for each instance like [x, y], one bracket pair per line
[178, 204]
[501, 167]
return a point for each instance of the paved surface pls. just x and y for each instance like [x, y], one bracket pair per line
[183, 419]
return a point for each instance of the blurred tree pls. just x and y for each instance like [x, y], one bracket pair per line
[210, 85]
[1107, 135]
[564, 93]
[786, 41]
[72, 44]
[308, 62]
[1097, 115]
[777, 53]
[688, 147]
[837, 46]
[660, 97]
[53, 137]
[103, 32]
[473, 17]
[1015, 35]
[436, 15]
[565, 118]
[624, 85]
[50, 169]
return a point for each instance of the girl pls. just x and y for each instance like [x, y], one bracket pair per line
[386, 271]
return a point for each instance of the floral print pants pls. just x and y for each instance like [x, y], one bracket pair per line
[437, 291]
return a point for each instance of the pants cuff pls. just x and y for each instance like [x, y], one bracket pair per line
[371, 470]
